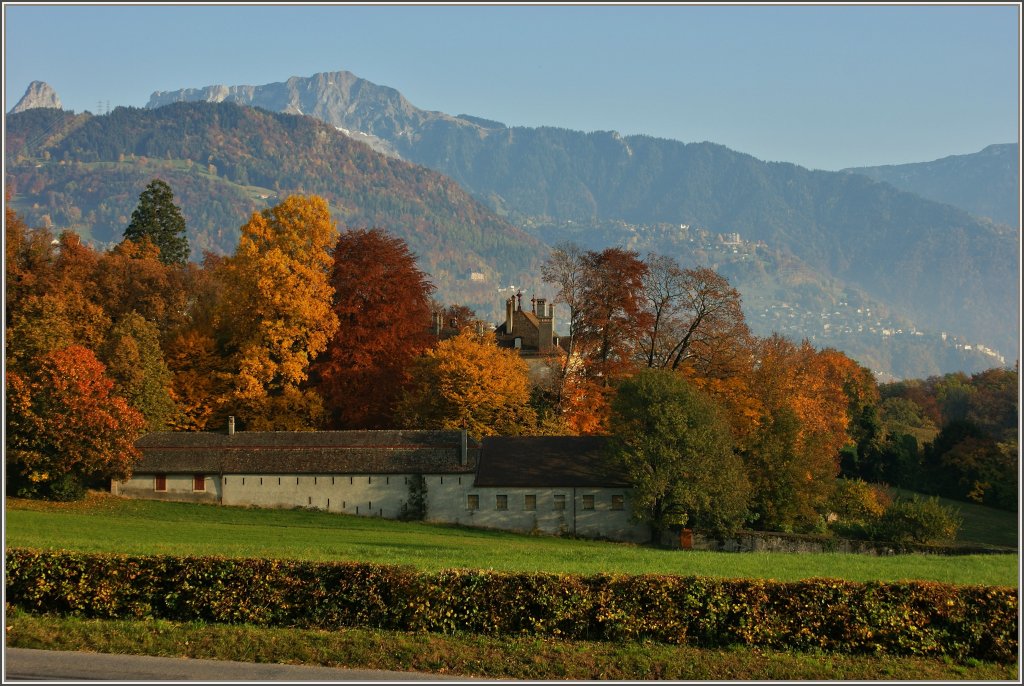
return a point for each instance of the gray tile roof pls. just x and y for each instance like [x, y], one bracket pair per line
[305, 452]
[547, 461]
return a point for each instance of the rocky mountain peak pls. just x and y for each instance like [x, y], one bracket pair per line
[38, 94]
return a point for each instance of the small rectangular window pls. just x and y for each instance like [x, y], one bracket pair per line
[160, 482]
[199, 482]
[588, 502]
[472, 502]
[559, 502]
[501, 502]
[618, 502]
[530, 502]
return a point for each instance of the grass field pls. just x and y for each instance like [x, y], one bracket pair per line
[104, 523]
[527, 658]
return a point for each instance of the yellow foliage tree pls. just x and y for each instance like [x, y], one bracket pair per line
[468, 382]
[279, 317]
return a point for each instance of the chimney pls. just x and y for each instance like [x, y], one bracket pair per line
[231, 426]
[509, 304]
[551, 310]
[464, 455]
[541, 310]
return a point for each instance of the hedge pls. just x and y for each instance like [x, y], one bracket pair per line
[904, 618]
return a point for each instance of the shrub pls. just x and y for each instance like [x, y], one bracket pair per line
[918, 520]
[905, 618]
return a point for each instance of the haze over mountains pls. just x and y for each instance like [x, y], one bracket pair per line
[835, 256]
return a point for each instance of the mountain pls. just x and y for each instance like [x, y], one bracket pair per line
[224, 162]
[929, 263]
[38, 94]
[985, 183]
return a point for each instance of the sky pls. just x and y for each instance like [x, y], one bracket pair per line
[825, 86]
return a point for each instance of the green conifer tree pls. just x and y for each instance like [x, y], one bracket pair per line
[157, 218]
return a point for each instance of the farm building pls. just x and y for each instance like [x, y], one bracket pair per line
[552, 485]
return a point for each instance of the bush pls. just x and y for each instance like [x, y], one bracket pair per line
[905, 618]
[918, 520]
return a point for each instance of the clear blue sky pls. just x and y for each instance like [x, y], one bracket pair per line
[823, 86]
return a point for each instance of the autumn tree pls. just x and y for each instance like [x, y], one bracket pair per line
[793, 456]
[157, 218]
[279, 317]
[382, 302]
[565, 269]
[58, 310]
[65, 427]
[135, 362]
[696, 318]
[675, 444]
[196, 350]
[613, 311]
[603, 293]
[29, 257]
[131, 277]
[468, 382]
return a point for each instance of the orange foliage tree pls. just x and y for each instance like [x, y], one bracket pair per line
[382, 301]
[468, 382]
[279, 317]
[793, 457]
[65, 428]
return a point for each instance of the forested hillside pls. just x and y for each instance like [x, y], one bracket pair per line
[985, 183]
[942, 268]
[225, 161]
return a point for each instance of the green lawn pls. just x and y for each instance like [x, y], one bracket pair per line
[120, 525]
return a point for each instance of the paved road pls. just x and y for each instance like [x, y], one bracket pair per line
[22, 664]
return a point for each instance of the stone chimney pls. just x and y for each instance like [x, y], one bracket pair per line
[464, 453]
[540, 307]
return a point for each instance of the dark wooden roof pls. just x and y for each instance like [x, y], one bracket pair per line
[306, 452]
[546, 461]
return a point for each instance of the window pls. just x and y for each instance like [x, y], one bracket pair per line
[472, 502]
[559, 502]
[618, 502]
[588, 502]
[160, 482]
[530, 502]
[199, 482]
[501, 502]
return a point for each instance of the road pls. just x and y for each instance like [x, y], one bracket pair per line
[22, 664]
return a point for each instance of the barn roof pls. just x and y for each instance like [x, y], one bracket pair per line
[545, 461]
[305, 452]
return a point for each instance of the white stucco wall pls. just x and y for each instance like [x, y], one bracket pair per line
[179, 487]
[450, 503]
[383, 496]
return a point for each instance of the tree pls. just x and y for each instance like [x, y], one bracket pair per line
[565, 269]
[793, 453]
[157, 218]
[612, 313]
[696, 318]
[468, 382]
[382, 301]
[676, 448]
[64, 427]
[279, 318]
[136, 364]
[132, 278]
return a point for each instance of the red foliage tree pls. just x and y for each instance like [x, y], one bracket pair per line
[382, 301]
[63, 421]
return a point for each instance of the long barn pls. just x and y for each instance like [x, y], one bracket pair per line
[542, 484]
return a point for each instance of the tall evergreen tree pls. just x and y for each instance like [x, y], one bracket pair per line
[157, 218]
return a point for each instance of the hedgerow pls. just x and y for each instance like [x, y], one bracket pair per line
[904, 618]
